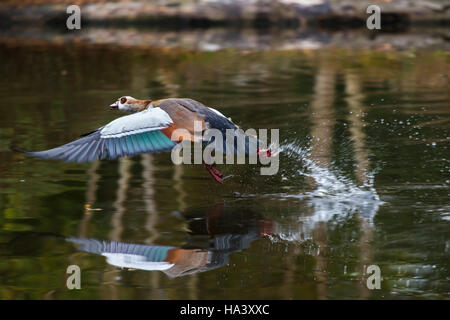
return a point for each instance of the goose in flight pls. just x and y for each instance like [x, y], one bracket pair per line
[149, 129]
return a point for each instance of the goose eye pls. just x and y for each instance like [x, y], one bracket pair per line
[123, 100]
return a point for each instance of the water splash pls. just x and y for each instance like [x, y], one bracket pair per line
[334, 197]
[334, 194]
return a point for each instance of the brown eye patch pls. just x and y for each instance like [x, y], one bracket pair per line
[123, 100]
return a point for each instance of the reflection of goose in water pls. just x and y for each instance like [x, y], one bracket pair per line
[227, 229]
[173, 261]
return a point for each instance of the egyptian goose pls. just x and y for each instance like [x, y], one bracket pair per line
[148, 129]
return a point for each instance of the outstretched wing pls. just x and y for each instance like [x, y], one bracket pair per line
[128, 255]
[126, 136]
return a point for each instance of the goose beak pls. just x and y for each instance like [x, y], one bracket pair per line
[114, 106]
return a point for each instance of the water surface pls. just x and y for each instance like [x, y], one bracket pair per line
[364, 176]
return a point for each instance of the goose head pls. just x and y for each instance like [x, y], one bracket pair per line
[130, 104]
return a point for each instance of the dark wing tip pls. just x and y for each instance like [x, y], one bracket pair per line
[88, 133]
[15, 148]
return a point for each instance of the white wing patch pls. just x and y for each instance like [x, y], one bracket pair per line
[147, 120]
[219, 113]
[135, 261]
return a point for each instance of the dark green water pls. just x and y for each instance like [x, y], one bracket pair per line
[364, 176]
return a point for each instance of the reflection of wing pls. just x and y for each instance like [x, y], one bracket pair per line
[127, 255]
[126, 136]
[173, 261]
